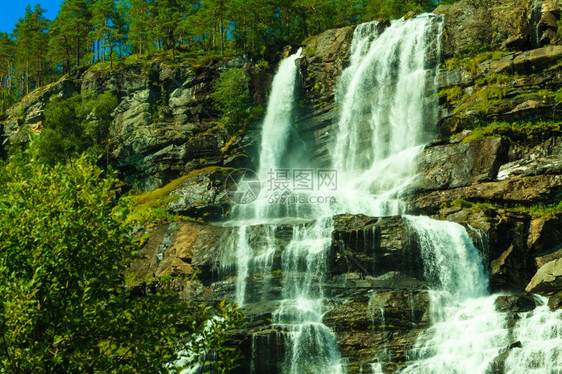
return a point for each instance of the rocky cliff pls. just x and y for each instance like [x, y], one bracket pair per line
[165, 124]
[495, 167]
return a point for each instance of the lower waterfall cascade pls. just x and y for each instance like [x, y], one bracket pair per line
[386, 92]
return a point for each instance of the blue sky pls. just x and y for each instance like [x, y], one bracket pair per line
[12, 10]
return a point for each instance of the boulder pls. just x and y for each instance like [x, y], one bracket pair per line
[515, 303]
[555, 301]
[548, 278]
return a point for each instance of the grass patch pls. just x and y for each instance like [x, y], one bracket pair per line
[155, 196]
[471, 60]
[545, 211]
[514, 131]
[540, 94]
[452, 93]
[494, 78]
[151, 206]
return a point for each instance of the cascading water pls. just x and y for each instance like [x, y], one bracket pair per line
[466, 333]
[386, 100]
[540, 334]
[395, 64]
[310, 346]
[386, 107]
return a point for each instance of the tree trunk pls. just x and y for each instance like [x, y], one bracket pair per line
[222, 35]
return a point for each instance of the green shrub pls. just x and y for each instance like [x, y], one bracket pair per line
[231, 95]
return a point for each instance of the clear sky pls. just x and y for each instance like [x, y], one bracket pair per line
[12, 10]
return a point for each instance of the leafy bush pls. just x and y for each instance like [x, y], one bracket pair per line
[64, 306]
[232, 97]
[75, 125]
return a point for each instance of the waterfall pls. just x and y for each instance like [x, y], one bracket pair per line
[275, 139]
[466, 332]
[540, 334]
[386, 101]
[386, 113]
[309, 345]
[385, 93]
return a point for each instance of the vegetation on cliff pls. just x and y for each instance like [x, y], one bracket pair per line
[85, 32]
[64, 307]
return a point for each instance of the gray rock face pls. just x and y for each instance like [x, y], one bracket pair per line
[165, 123]
[493, 23]
[455, 165]
[27, 115]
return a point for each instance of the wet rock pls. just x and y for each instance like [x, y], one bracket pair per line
[501, 236]
[545, 238]
[516, 303]
[374, 247]
[516, 190]
[555, 301]
[498, 364]
[380, 326]
[324, 58]
[548, 278]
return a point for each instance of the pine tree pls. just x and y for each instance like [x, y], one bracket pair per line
[169, 13]
[140, 15]
[101, 36]
[70, 32]
[7, 63]
[31, 42]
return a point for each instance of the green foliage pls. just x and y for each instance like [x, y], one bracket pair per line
[558, 96]
[31, 46]
[543, 94]
[216, 355]
[389, 9]
[472, 58]
[494, 78]
[231, 95]
[546, 211]
[514, 131]
[69, 34]
[75, 125]
[64, 306]
[452, 93]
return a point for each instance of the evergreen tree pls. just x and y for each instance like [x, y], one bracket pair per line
[7, 63]
[168, 14]
[102, 30]
[70, 33]
[140, 20]
[31, 45]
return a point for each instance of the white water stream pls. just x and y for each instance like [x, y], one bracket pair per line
[387, 110]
